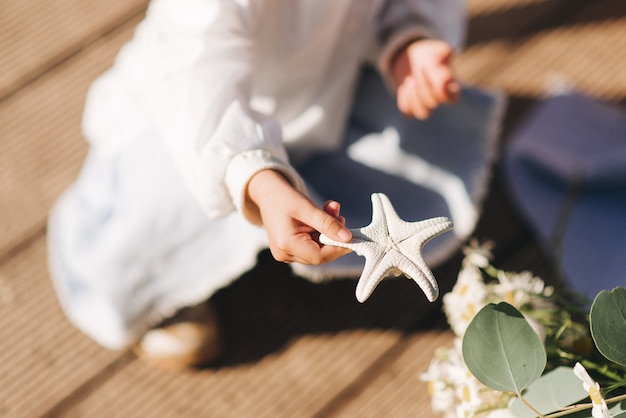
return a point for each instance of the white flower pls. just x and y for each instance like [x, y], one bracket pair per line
[600, 409]
[478, 255]
[464, 411]
[442, 396]
[493, 400]
[445, 376]
[465, 300]
[468, 394]
[448, 366]
[517, 289]
[439, 388]
[454, 391]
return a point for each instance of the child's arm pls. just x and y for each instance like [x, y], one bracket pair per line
[423, 77]
[414, 45]
[293, 223]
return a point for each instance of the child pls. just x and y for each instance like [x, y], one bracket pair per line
[195, 134]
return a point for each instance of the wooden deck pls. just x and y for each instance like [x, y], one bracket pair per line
[302, 349]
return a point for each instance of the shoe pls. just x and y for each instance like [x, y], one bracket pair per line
[188, 340]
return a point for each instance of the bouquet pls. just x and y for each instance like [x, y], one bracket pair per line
[522, 349]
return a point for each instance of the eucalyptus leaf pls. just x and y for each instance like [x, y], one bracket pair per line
[618, 409]
[551, 392]
[608, 324]
[501, 349]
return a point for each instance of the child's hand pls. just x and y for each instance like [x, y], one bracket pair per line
[293, 223]
[424, 77]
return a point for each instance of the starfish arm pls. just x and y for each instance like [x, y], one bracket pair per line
[357, 244]
[424, 231]
[421, 274]
[390, 244]
[381, 266]
[430, 228]
[400, 230]
[393, 262]
[383, 206]
[370, 277]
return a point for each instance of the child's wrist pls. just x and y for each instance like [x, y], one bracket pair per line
[261, 187]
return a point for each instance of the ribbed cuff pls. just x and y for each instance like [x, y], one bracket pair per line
[245, 165]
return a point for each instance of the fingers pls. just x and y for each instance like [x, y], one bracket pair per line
[440, 82]
[302, 243]
[420, 96]
[328, 224]
[332, 208]
[431, 80]
[425, 90]
[411, 99]
[319, 256]
[301, 248]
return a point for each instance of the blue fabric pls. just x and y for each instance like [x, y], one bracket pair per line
[566, 171]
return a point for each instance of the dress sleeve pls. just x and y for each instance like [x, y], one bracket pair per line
[201, 58]
[401, 21]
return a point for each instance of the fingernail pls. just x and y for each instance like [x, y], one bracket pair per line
[344, 235]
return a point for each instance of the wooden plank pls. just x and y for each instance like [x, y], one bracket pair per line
[294, 382]
[36, 35]
[478, 8]
[42, 147]
[583, 46]
[397, 391]
[292, 347]
[43, 358]
[588, 57]
[502, 19]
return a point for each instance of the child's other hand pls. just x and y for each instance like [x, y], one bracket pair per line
[424, 77]
[293, 223]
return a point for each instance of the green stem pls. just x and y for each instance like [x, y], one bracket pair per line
[529, 406]
[566, 323]
[570, 410]
[616, 399]
[575, 408]
[604, 370]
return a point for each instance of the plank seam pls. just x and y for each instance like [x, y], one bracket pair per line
[22, 245]
[381, 365]
[90, 385]
[72, 51]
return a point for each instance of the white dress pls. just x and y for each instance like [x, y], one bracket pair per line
[207, 93]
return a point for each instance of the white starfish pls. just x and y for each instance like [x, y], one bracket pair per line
[393, 246]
